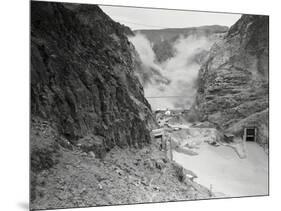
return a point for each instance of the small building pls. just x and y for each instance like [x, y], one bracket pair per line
[250, 134]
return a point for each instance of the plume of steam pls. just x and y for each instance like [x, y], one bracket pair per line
[176, 77]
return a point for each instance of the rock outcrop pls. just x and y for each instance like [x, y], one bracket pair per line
[233, 83]
[82, 76]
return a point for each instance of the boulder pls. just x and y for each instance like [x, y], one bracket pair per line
[93, 145]
[159, 164]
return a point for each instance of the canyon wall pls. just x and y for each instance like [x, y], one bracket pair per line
[233, 83]
[82, 76]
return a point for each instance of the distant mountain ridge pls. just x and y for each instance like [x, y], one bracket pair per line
[158, 35]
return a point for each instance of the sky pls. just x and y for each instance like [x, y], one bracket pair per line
[146, 18]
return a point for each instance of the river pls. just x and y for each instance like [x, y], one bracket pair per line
[220, 169]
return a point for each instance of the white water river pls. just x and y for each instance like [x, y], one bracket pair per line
[229, 176]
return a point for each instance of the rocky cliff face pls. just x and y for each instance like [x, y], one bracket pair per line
[233, 83]
[82, 76]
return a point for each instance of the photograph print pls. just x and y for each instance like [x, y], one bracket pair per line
[137, 105]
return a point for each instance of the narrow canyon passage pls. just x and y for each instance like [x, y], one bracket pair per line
[201, 80]
[108, 101]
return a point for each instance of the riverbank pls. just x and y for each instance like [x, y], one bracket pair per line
[228, 170]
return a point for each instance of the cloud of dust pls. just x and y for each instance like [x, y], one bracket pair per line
[180, 70]
[149, 71]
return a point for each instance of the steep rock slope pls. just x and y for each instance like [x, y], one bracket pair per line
[82, 76]
[123, 176]
[233, 83]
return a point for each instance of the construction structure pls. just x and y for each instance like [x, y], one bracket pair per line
[165, 140]
[250, 134]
